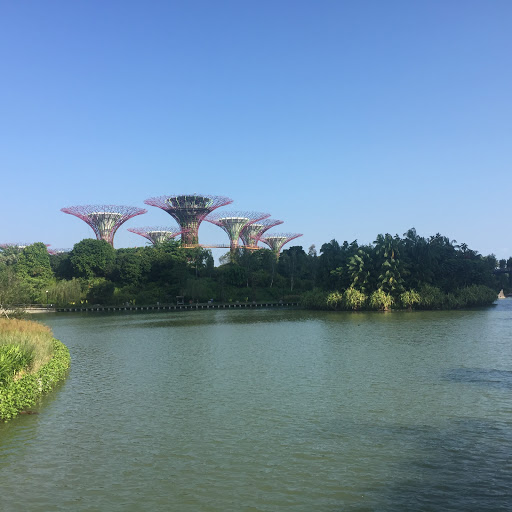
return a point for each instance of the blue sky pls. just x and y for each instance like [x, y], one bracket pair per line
[345, 119]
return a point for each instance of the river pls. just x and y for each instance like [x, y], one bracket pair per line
[263, 410]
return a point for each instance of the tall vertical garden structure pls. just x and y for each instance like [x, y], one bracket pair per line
[157, 234]
[252, 232]
[276, 241]
[104, 219]
[234, 222]
[189, 210]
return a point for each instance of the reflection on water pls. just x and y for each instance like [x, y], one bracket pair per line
[269, 410]
[485, 377]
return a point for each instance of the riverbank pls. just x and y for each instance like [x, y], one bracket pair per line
[32, 362]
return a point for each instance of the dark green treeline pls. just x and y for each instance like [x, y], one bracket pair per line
[392, 272]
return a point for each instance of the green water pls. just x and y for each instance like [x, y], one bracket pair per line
[268, 410]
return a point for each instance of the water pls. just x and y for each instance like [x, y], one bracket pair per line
[268, 410]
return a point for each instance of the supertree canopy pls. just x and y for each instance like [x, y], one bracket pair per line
[252, 232]
[157, 234]
[233, 223]
[276, 240]
[104, 219]
[189, 210]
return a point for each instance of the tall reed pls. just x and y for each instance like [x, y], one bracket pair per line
[31, 337]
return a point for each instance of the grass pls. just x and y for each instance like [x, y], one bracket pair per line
[33, 339]
[32, 362]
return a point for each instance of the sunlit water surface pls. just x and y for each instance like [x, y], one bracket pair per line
[270, 410]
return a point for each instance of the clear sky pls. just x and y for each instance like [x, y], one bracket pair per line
[345, 119]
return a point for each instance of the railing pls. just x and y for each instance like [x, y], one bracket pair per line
[179, 307]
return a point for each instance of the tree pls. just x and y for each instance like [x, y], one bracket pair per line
[387, 252]
[293, 263]
[132, 267]
[34, 263]
[360, 269]
[335, 258]
[92, 258]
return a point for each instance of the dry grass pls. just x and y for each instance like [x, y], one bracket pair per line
[31, 337]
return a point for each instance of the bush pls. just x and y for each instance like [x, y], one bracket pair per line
[380, 300]
[476, 295]
[354, 299]
[334, 300]
[431, 297]
[409, 299]
[19, 394]
[315, 299]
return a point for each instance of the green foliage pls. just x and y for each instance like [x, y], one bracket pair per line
[34, 263]
[13, 289]
[19, 394]
[61, 265]
[63, 293]
[431, 297]
[387, 253]
[199, 290]
[334, 300]
[101, 292]
[360, 270]
[92, 258]
[475, 295]
[131, 267]
[31, 337]
[354, 299]
[13, 359]
[416, 272]
[330, 268]
[315, 299]
[380, 300]
[409, 299]
[233, 274]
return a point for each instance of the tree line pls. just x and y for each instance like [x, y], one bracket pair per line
[392, 272]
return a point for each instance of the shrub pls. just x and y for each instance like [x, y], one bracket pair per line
[380, 300]
[354, 299]
[431, 297]
[315, 299]
[19, 394]
[476, 295]
[409, 299]
[334, 300]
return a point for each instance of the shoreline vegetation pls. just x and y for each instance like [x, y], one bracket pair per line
[428, 298]
[392, 272]
[32, 362]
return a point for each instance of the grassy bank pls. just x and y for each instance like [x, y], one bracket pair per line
[31, 363]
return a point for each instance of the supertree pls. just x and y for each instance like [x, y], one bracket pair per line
[189, 210]
[276, 241]
[104, 219]
[157, 234]
[233, 223]
[252, 232]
